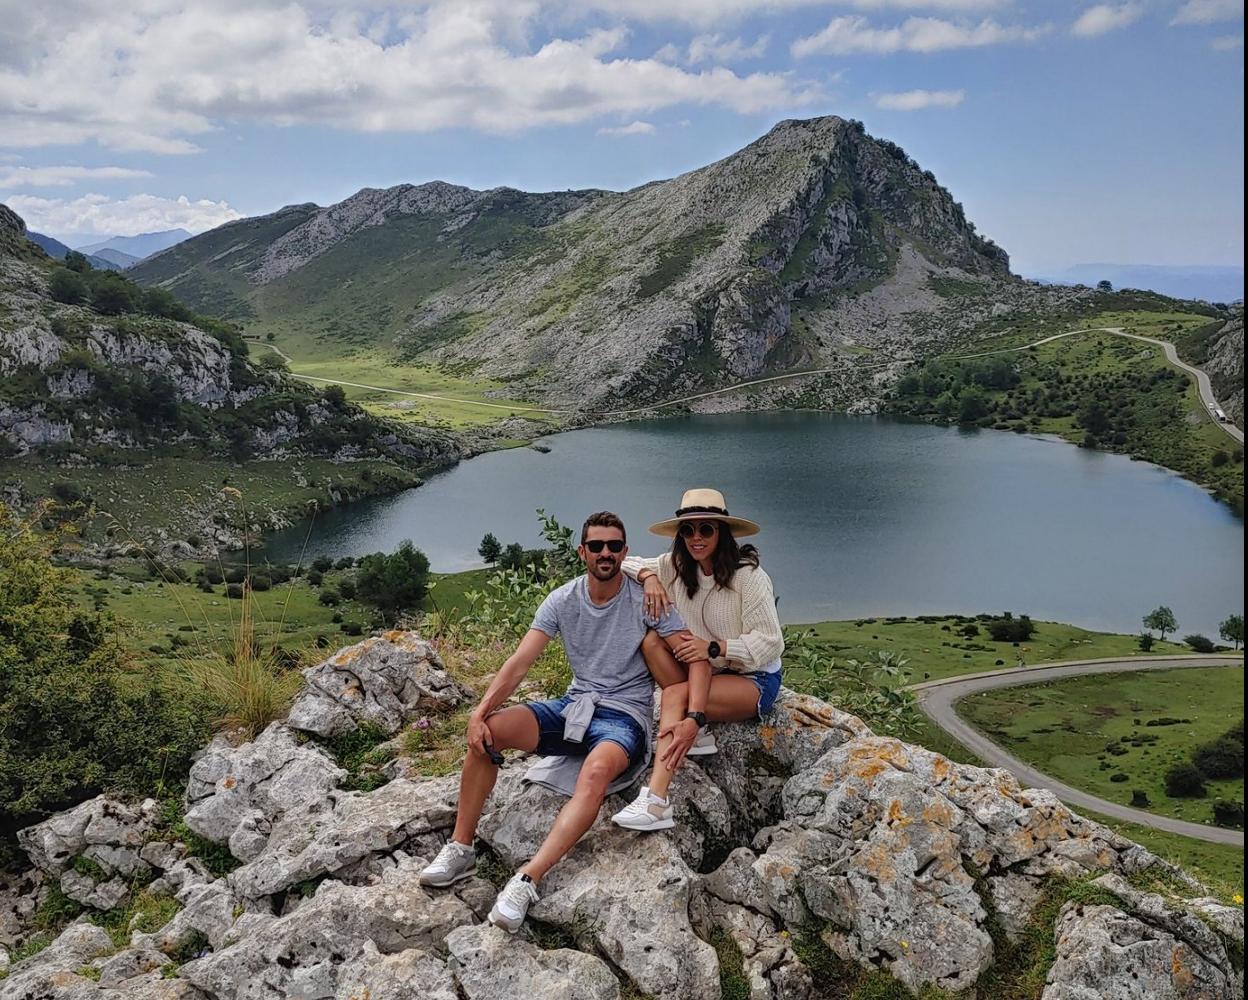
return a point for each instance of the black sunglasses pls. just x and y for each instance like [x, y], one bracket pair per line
[704, 529]
[595, 545]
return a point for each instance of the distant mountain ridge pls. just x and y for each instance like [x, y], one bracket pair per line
[813, 244]
[57, 250]
[1205, 282]
[140, 246]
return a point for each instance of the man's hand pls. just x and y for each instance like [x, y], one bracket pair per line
[684, 734]
[479, 734]
[688, 648]
[656, 600]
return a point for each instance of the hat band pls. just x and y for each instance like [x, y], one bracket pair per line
[723, 512]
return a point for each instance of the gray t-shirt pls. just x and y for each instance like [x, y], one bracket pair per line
[603, 642]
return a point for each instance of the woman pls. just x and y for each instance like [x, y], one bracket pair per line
[727, 602]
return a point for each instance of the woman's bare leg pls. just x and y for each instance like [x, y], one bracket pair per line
[664, 667]
[731, 698]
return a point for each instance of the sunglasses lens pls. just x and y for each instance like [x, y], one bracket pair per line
[704, 530]
[707, 529]
[596, 545]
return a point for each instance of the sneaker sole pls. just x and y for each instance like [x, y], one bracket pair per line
[701, 751]
[500, 921]
[660, 824]
[429, 883]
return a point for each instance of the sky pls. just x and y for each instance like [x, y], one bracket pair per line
[1072, 132]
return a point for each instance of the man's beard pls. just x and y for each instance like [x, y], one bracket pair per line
[603, 572]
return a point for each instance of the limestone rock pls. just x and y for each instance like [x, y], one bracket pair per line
[234, 795]
[385, 681]
[101, 822]
[413, 974]
[38, 975]
[490, 964]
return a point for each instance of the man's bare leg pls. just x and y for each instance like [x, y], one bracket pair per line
[605, 763]
[663, 666]
[514, 728]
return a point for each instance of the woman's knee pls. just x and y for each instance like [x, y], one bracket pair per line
[676, 696]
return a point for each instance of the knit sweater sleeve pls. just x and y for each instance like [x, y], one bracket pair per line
[761, 640]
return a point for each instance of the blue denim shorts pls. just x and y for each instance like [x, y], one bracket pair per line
[768, 682]
[608, 725]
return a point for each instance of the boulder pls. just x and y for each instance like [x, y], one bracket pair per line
[235, 794]
[103, 823]
[384, 681]
[39, 975]
[412, 974]
[490, 964]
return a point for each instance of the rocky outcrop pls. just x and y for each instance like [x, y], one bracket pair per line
[883, 857]
[1226, 367]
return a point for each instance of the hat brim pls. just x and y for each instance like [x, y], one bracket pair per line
[741, 527]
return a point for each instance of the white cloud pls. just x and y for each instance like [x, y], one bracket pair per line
[707, 12]
[1209, 11]
[917, 100]
[716, 49]
[15, 177]
[632, 128]
[152, 75]
[853, 34]
[1227, 43]
[1104, 18]
[105, 216]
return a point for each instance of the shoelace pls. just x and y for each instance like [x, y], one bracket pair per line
[518, 892]
[446, 856]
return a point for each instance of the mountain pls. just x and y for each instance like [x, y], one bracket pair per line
[143, 245]
[117, 258]
[57, 251]
[1210, 284]
[809, 247]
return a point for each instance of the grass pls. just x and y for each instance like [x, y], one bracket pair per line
[936, 650]
[1065, 727]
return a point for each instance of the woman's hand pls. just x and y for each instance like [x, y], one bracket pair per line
[691, 649]
[684, 734]
[479, 735]
[657, 602]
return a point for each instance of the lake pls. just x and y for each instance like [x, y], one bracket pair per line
[861, 516]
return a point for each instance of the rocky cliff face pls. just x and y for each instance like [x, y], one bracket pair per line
[812, 859]
[813, 239]
[74, 380]
[1226, 367]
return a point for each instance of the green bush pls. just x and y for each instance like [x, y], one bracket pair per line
[1228, 813]
[1200, 643]
[1145, 642]
[234, 591]
[75, 721]
[235, 574]
[261, 582]
[329, 597]
[1007, 628]
[393, 582]
[1184, 781]
[1220, 758]
[68, 287]
[347, 589]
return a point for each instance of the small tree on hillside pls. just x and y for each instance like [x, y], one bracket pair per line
[1232, 630]
[394, 582]
[490, 548]
[68, 287]
[1162, 619]
[1104, 285]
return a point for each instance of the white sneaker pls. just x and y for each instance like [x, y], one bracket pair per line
[704, 745]
[646, 812]
[512, 904]
[454, 863]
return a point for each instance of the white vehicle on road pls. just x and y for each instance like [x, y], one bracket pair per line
[1217, 412]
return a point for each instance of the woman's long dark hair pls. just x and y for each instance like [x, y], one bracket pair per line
[727, 558]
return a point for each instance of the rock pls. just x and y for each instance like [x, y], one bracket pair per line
[384, 681]
[490, 964]
[39, 975]
[344, 829]
[628, 892]
[103, 822]
[413, 974]
[99, 896]
[234, 794]
[303, 953]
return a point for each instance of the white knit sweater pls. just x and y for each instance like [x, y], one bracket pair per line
[741, 617]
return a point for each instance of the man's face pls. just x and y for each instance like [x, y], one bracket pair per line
[603, 564]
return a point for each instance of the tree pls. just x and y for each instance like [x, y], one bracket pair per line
[68, 287]
[335, 396]
[1232, 630]
[1104, 286]
[1184, 781]
[490, 548]
[512, 557]
[971, 405]
[77, 262]
[393, 582]
[112, 295]
[1162, 619]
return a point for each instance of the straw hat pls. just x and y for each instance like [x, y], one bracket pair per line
[704, 505]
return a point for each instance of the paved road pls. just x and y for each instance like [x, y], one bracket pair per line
[938, 699]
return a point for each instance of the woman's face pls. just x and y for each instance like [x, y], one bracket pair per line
[700, 538]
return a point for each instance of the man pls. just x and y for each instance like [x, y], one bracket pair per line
[596, 737]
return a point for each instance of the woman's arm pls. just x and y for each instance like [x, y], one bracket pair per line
[636, 567]
[761, 640]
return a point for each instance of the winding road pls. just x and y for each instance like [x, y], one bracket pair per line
[1202, 381]
[938, 699]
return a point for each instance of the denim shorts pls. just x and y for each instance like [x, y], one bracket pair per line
[768, 682]
[608, 725]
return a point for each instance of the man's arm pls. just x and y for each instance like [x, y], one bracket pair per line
[512, 673]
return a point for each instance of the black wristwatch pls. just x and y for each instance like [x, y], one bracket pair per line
[698, 717]
[712, 650]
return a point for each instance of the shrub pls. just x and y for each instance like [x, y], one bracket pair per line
[75, 720]
[1139, 798]
[68, 287]
[211, 574]
[235, 574]
[1119, 777]
[261, 582]
[1200, 643]
[352, 628]
[322, 564]
[346, 562]
[1145, 642]
[1007, 628]
[1220, 758]
[1184, 781]
[1228, 813]
[315, 577]
[393, 582]
[234, 591]
[347, 589]
[329, 597]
